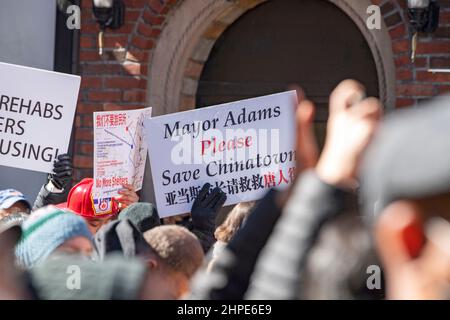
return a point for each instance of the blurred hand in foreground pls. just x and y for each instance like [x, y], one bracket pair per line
[353, 120]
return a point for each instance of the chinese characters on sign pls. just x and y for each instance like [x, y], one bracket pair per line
[244, 148]
[120, 153]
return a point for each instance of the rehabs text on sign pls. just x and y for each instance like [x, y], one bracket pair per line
[36, 116]
[244, 148]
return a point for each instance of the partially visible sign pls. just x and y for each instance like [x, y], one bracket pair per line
[37, 108]
[119, 153]
[244, 148]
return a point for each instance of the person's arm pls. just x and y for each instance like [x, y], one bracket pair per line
[277, 272]
[230, 275]
[352, 122]
[55, 190]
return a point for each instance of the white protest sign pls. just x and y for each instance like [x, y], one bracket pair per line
[120, 152]
[36, 116]
[244, 148]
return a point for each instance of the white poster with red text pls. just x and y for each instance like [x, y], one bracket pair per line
[244, 147]
[120, 154]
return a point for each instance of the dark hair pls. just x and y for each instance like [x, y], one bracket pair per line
[234, 221]
[337, 265]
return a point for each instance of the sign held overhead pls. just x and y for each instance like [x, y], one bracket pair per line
[37, 108]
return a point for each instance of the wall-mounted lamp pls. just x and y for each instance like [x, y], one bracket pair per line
[108, 14]
[424, 17]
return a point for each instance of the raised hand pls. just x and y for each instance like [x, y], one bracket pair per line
[352, 123]
[127, 197]
[206, 207]
[62, 171]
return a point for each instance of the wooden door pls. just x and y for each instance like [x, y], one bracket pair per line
[311, 43]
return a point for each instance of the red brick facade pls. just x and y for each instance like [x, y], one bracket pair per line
[118, 80]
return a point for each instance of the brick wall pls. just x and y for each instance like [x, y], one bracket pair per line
[414, 82]
[118, 80]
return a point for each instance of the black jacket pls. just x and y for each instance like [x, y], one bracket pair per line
[265, 258]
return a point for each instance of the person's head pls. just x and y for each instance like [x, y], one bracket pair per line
[50, 230]
[234, 221]
[142, 215]
[12, 202]
[406, 187]
[81, 202]
[176, 254]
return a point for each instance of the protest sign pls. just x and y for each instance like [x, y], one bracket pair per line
[120, 153]
[244, 148]
[36, 116]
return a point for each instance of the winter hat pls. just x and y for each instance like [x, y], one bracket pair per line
[9, 197]
[115, 278]
[44, 231]
[119, 236]
[143, 215]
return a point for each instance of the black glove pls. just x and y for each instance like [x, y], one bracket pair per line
[206, 207]
[62, 171]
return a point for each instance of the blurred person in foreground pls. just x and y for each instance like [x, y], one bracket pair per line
[267, 257]
[341, 262]
[115, 278]
[406, 187]
[13, 284]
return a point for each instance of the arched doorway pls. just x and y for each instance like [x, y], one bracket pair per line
[186, 44]
[283, 42]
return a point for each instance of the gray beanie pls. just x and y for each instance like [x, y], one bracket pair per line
[409, 158]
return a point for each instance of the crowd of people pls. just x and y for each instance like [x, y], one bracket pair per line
[366, 218]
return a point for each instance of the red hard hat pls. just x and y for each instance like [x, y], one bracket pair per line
[81, 202]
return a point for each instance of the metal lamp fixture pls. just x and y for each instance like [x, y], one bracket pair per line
[424, 15]
[108, 14]
[424, 18]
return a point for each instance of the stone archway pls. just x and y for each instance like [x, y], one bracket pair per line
[190, 34]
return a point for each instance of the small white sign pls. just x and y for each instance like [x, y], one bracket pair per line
[120, 153]
[244, 148]
[37, 108]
